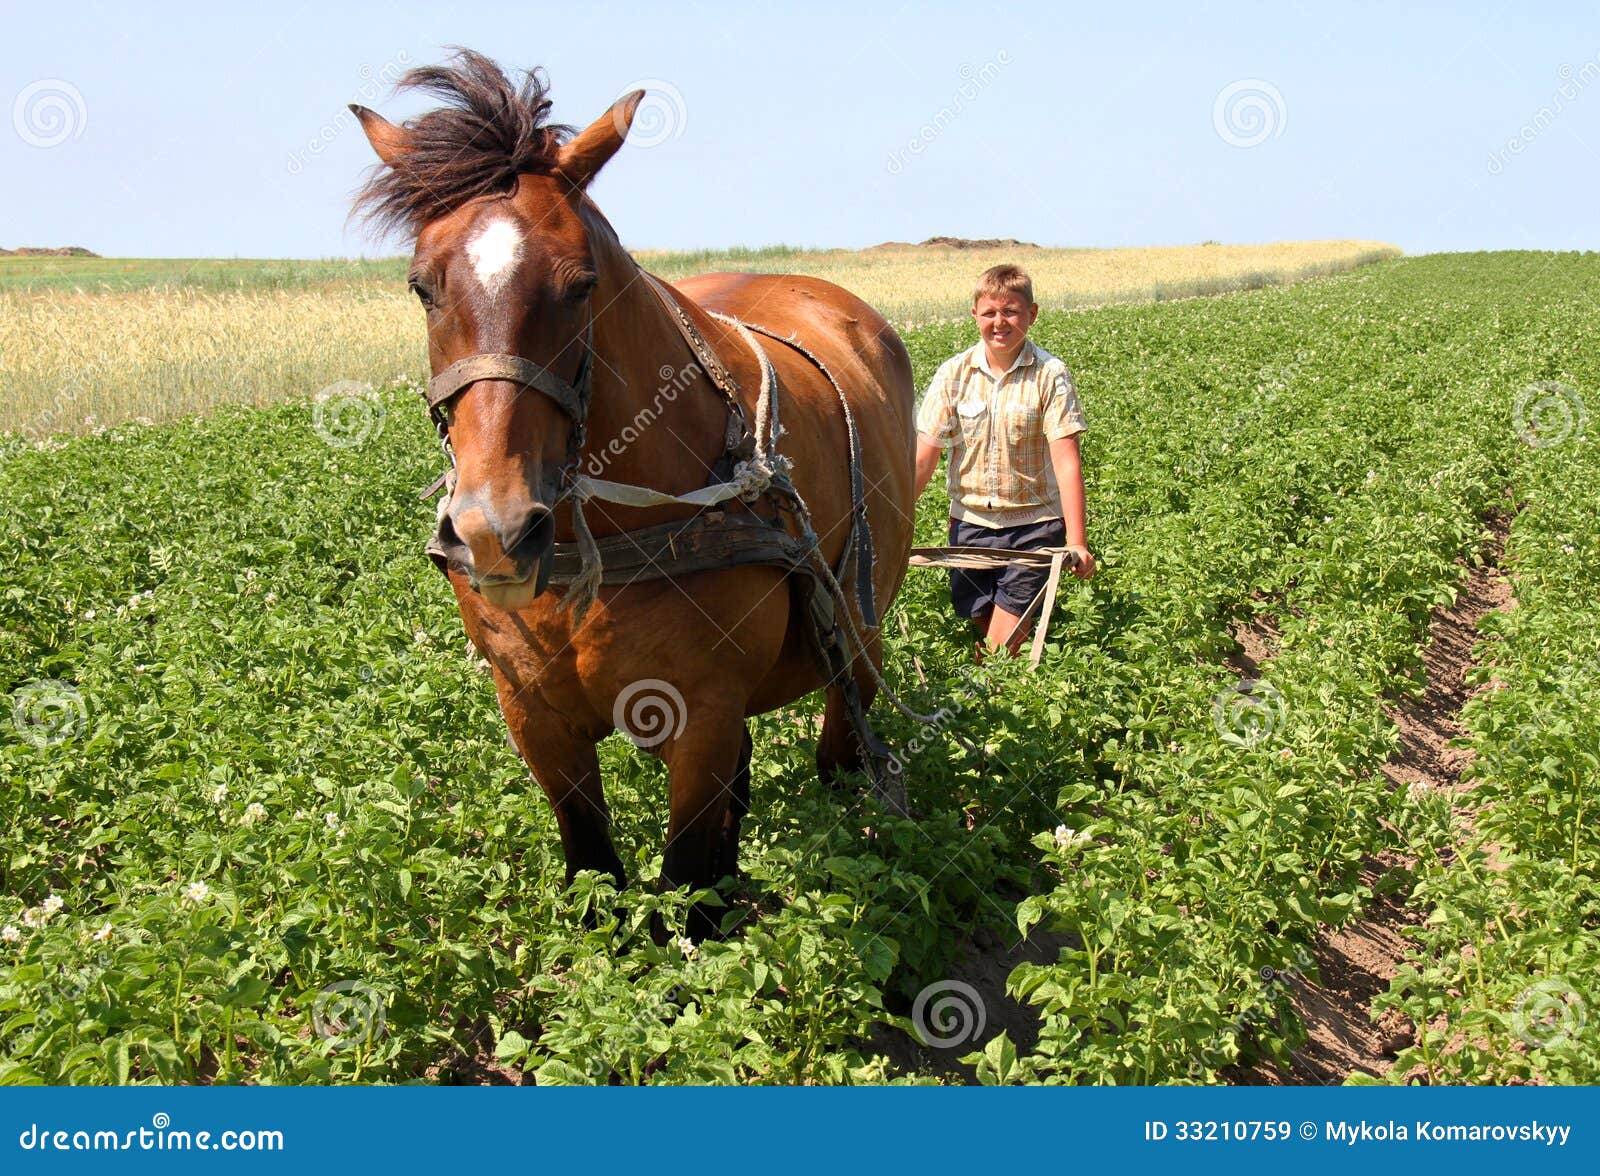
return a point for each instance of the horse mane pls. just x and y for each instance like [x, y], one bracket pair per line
[487, 133]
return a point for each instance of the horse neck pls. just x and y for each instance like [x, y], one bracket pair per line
[654, 418]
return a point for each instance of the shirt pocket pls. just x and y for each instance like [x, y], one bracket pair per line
[974, 418]
[1023, 423]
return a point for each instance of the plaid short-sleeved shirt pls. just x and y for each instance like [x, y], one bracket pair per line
[999, 432]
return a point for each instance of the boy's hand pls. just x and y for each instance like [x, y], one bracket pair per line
[1083, 567]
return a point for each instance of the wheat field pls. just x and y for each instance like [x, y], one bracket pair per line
[915, 284]
[86, 343]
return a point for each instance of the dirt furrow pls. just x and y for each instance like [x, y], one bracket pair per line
[1355, 963]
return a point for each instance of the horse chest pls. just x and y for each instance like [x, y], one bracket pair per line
[535, 652]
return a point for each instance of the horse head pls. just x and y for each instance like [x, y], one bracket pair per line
[494, 196]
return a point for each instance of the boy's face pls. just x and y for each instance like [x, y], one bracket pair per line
[1003, 320]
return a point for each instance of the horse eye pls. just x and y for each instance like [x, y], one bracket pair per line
[581, 289]
[424, 295]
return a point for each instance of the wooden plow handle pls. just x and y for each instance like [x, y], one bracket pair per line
[983, 558]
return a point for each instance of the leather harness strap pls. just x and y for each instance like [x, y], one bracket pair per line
[720, 376]
[571, 398]
[740, 440]
[720, 543]
[857, 558]
[710, 541]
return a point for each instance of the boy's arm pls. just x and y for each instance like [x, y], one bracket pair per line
[927, 462]
[1068, 465]
[935, 428]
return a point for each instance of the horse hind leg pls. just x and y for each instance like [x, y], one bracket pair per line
[726, 858]
[839, 749]
[843, 748]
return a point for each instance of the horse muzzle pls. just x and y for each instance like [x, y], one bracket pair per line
[505, 555]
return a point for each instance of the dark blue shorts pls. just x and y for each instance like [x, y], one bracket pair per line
[974, 593]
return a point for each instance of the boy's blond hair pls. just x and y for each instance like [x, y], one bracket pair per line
[1004, 279]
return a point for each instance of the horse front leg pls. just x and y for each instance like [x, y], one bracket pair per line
[567, 768]
[709, 767]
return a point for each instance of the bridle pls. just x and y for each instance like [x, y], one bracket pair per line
[572, 398]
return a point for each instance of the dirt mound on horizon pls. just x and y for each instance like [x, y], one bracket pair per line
[62, 251]
[960, 243]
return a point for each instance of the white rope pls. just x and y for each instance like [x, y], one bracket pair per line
[768, 430]
[585, 587]
[751, 479]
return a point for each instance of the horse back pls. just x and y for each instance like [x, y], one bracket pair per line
[868, 359]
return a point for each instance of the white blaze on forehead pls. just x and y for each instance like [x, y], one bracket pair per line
[494, 250]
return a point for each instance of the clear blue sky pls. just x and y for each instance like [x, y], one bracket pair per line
[187, 131]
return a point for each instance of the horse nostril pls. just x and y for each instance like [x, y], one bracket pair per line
[530, 538]
[448, 539]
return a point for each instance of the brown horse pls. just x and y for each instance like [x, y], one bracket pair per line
[512, 258]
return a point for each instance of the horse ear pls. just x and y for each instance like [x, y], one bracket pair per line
[389, 141]
[582, 158]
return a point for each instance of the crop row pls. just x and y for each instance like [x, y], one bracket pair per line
[1500, 983]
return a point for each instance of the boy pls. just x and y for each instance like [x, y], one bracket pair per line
[1011, 413]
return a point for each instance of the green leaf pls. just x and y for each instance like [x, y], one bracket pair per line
[512, 1045]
